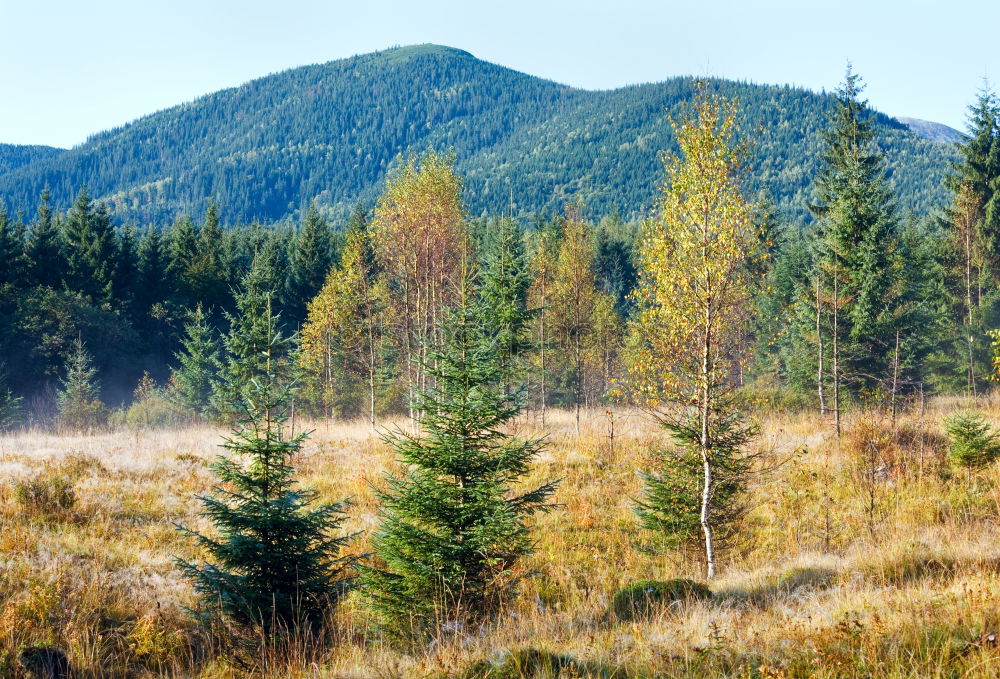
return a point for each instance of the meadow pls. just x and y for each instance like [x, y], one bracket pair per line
[863, 557]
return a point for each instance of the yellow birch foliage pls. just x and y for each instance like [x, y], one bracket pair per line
[421, 240]
[342, 337]
[694, 287]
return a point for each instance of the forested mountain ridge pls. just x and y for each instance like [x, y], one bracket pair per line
[931, 130]
[264, 149]
[13, 156]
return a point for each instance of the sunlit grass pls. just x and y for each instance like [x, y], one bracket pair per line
[836, 577]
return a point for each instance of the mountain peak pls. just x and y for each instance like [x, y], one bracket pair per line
[404, 52]
[330, 132]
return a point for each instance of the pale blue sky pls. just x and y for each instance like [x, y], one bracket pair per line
[70, 68]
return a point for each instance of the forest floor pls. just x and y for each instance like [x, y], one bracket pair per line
[863, 557]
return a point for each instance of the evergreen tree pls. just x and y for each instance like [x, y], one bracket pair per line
[208, 272]
[126, 268]
[10, 404]
[192, 382]
[244, 359]
[857, 262]
[309, 264]
[79, 404]
[453, 528]
[275, 562]
[503, 292]
[614, 263]
[977, 175]
[90, 248]
[182, 247]
[153, 284]
[45, 253]
[11, 252]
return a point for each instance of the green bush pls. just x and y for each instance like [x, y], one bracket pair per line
[973, 443]
[45, 495]
[644, 598]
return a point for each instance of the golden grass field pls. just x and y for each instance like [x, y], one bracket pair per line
[842, 574]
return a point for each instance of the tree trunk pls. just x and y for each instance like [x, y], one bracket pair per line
[836, 349]
[895, 380]
[706, 446]
[819, 340]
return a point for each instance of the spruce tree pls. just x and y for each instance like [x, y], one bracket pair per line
[153, 284]
[856, 257]
[79, 404]
[208, 272]
[182, 248]
[503, 292]
[193, 381]
[453, 529]
[45, 254]
[243, 359]
[11, 251]
[126, 269]
[275, 560]
[10, 404]
[309, 263]
[91, 250]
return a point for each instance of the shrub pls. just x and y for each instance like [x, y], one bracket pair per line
[528, 663]
[973, 443]
[644, 598]
[44, 662]
[45, 495]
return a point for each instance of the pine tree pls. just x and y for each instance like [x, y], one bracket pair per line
[45, 254]
[193, 381]
[79, 405]
[276, 560]
[503, 291]
[453, 529]
[309, 263]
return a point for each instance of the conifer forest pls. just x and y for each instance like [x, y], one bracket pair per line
[502, 379]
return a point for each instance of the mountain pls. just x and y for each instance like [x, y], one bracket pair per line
[13, 156]
[264, 149]
[931, 130]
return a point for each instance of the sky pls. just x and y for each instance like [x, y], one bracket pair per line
[69, 69]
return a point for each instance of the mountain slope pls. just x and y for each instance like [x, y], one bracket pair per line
[931, 130]
[13, 156]
[264, 149]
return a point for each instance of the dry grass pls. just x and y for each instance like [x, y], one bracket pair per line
[864, 558]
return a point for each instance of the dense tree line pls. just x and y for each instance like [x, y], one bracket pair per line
[862, 299]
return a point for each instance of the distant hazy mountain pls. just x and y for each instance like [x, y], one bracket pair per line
[931, 130]
[264, 149]
[13, 156]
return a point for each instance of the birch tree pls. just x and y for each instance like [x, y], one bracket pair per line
[693, 301]
[420, 235]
